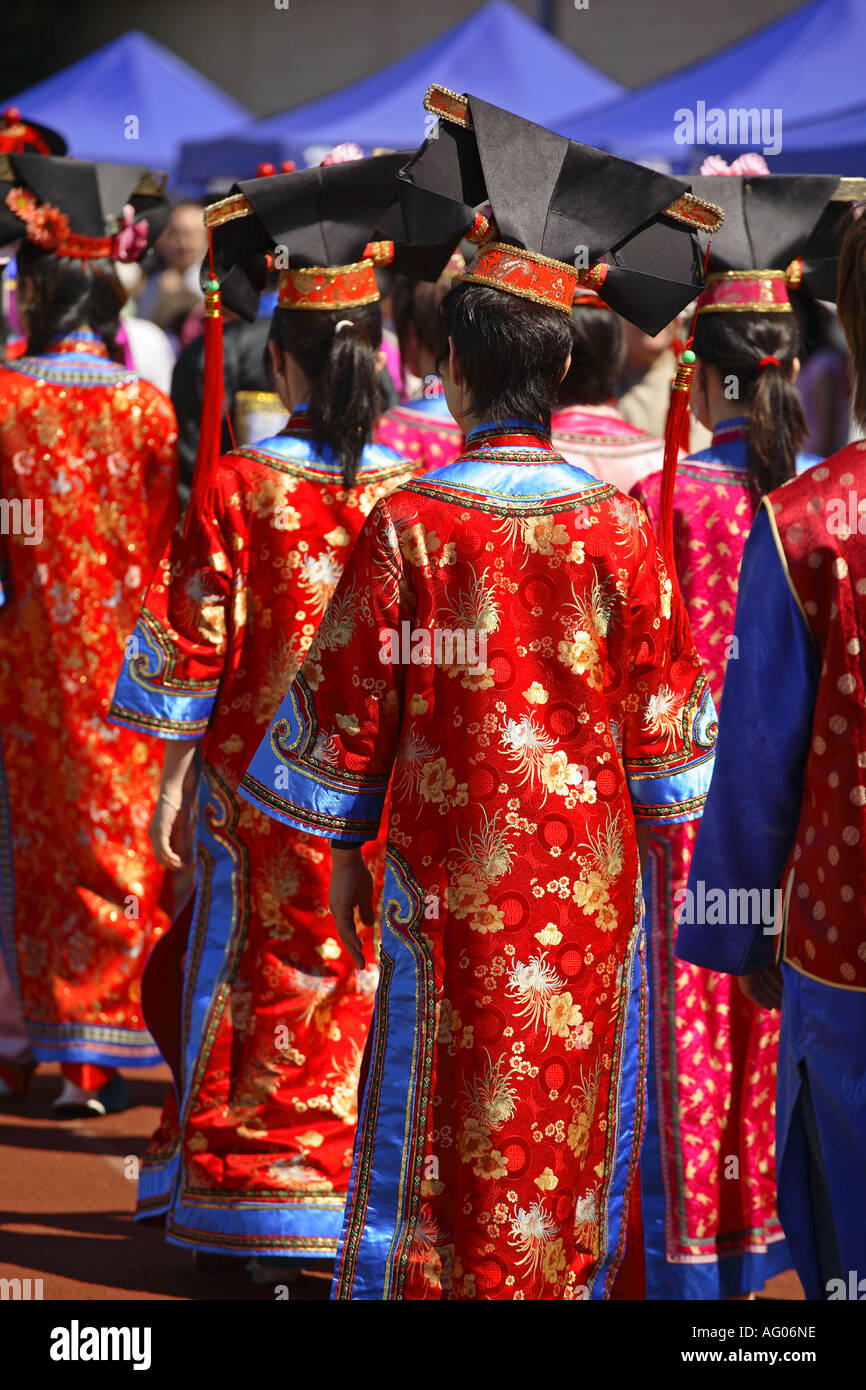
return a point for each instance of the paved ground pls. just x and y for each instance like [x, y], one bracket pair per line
[67, 1193]
[66, 1206]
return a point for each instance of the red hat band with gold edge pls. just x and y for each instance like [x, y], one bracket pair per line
[335, 286]
[321, 287]
[751, 291]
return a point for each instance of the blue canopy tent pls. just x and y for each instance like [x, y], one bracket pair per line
[497, 54]
[800, 69]
[131, 102]
[835, 145]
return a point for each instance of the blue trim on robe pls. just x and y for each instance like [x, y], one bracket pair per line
[398, 1127]
[156, 1185]
[628, 1078]
[294, 448]
[825, 1028]
[303, 796]
[753, 807]
[89, 1042]
[733, 453]
[216, 1215]
[514, 480]
[653, 794]
[139, 704]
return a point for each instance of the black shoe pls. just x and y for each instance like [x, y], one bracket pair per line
[110, 1099]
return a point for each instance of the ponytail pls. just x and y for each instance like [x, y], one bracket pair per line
[777, 425]
[851, 304]
[757, 352]
[336, 349]
[67, 295]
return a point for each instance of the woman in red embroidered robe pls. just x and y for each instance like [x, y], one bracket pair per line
[274, 1015]
[504, 1089]
[88, 476]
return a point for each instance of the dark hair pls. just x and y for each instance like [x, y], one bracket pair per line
[512, 350]
[851, 307]
[734, 345]
[67, 295]
[345, 397]
[415, 304]
[597, 357]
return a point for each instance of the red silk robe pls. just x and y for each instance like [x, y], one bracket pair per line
[274, 1015]
[503, 1100]
[94, 447]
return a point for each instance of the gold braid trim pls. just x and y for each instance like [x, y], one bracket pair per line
[849, 191]
[227, 209]
[448, 105]
[151, 185]
[695, 212]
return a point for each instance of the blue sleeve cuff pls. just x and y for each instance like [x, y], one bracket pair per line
[149, 708]
[291, 782]
[661, 797]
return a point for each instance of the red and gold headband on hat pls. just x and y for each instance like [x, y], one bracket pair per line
[48, 227]
[751, 291]
[322, 287]
[335, 286]
[530, 275]
[527, 274]
[747, 291]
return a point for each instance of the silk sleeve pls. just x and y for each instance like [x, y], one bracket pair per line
[325, 762]
[174, 659]
[670, 720]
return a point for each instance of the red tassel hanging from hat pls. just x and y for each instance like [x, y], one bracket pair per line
[677, 430]
[203, 493]
[677, 421]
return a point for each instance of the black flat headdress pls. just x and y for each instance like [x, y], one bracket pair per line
[626, 231]
[322, 218]
[76, 208]
[788, 224]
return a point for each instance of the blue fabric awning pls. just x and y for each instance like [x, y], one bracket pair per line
[807, 67]
[131, 102]
[497, 54]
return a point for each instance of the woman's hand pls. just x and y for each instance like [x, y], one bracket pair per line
[171, 832]
[764, 988]
[173, 821]
[351, 887]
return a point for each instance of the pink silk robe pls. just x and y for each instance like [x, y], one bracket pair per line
[711, 1228]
